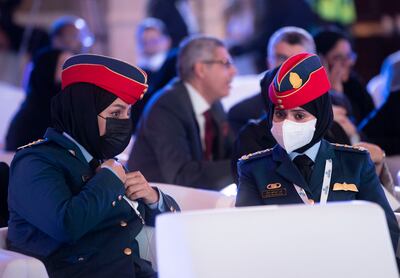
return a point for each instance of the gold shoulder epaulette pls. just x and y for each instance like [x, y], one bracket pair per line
[250, 155]
[31, 144]
[349, 147]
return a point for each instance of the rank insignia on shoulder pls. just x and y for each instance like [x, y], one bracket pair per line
[349, 147]
[250, 155]
[274, 190]
[39, 141]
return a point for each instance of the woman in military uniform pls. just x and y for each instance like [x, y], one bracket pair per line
[303, 167]
[71, 204]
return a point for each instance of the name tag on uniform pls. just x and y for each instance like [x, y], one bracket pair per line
[345, 187]
[274, 190]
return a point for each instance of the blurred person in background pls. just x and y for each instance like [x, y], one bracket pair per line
[69, 35]
[154, 57]
[241, 17]
[269, 16]
[284, 43]
[183, 137]
[382, 126]
[33, 117]
[178, 17]
[153, 44]
[336, 52]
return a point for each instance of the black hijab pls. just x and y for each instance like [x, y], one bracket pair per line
[320, 108]
[74, 111]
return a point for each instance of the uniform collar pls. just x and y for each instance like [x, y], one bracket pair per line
[85, 153]
[287, 169]
[311, 152]
[65, 142]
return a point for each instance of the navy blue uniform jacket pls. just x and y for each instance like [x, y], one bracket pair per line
[71, 218]
[168, 146]
[349, 165]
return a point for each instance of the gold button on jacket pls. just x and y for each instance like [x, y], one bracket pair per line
[128, 251]
[123, 223]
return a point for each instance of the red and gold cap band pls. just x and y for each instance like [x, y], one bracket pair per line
[300, 79]
[119, 78]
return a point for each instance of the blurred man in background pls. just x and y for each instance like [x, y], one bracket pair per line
[182, 137]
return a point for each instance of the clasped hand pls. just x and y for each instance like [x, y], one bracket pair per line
[136, 186]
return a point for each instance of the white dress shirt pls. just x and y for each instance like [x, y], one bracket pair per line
[200, 105]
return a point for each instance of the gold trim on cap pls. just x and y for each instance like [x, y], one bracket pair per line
[298, 88]
[295, 65]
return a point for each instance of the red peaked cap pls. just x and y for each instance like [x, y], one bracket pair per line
[300, 79]
[117, 77]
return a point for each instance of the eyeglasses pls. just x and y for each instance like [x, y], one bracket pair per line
[227, 63]
[352, 56]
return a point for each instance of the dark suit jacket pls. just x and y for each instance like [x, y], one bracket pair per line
[72, 218]
[248, 109]
[350, 165]
[168, 147]
[253, 107]
[360, 100]
[157, 81]
[383, 128]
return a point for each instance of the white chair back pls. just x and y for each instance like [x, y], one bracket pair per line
[336, 240]
[6, 157]
[195, 199]
[189, 199]
[13, 264]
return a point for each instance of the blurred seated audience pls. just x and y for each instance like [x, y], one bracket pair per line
[269, 16]
[72, 205]
[183, 137]
[152, 44]
[284, 43]
[178, 17]
[69, 35]
[33, 117]
[158, 80]
[383, 125]
[336, 52]
[388, 80]
[72, 34]
[241, 18]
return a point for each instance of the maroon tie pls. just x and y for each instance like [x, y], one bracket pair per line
[209, 135]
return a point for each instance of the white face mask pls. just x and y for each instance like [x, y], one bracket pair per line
[291, 135]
